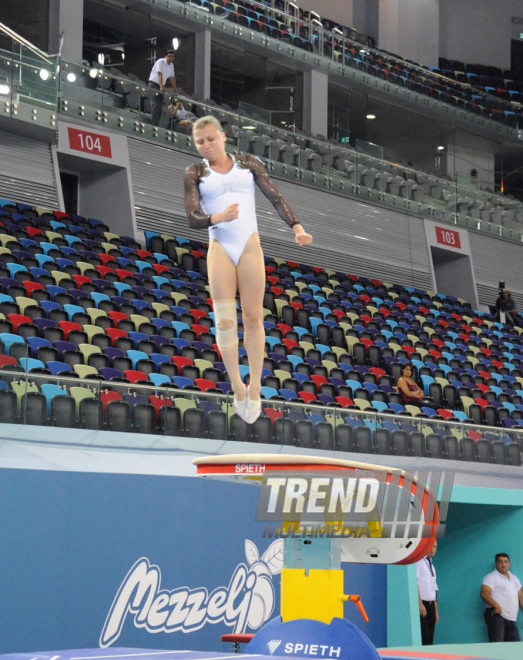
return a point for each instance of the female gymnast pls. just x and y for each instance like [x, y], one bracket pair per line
[219, 194]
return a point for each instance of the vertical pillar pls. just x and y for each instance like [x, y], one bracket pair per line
[202, 65]
[410, 28]
[66, 17]
[315, 100]
[403, 624]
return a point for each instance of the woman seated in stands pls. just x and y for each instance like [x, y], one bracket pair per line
[409, 390]
[219, 195]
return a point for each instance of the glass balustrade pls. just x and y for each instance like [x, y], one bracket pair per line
[304, 35]
[149, 417]
[29, 84]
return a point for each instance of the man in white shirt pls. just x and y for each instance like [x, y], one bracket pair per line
[162, 71]
[428, 596]
[501, 590]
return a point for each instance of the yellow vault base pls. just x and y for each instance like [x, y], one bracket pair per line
[316, 595]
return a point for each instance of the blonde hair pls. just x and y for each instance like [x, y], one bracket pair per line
[208, 120]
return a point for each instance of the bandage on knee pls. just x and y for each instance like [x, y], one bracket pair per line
[226, 323]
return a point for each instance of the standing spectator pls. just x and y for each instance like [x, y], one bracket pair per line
[428, 596]
[162, 71]
[501, 591]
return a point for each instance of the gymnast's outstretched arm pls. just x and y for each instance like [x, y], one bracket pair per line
[268, 188]
[266, 185]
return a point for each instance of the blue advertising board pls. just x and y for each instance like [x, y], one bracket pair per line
[102, 560]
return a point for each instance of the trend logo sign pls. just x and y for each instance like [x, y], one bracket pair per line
[248, 601]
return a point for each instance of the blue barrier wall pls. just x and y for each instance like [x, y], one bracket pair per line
[69, 540]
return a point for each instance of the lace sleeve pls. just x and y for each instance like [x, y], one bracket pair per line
[197, 219]
[265, 184]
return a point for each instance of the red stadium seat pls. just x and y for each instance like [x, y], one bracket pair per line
[160, 268]
[273, 414]
[67, 326]
[81, 279]
[108, 395]
[114, 333]
[143, 253]
[180, 361]
[198, 329]
[307, 396]
[32, 231]
[7, 360]
[32, 286]
[121, 272]
[16, 319]
[197, 313]
[204, 383]
[118, 316]
[108, 257]
[134, 375]
[159, 402]
[103, 270]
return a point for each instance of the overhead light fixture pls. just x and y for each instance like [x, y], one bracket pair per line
[71, 77]
[371, 116]
[44, 74]
[101, 58]
[4, 89]
[93, 73]
[176, 43]
[249, 128]
[440, 148]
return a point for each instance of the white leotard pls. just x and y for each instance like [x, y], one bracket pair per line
[208, 192]
[217, 191]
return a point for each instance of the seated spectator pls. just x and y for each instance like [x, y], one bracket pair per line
[409, 390]
[180, 121]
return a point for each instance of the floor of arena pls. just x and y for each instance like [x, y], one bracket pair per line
[503, 651]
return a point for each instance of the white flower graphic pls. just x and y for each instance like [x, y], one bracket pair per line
[263, 596]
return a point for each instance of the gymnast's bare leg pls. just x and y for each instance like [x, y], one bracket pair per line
[223, 282]
[251, 283]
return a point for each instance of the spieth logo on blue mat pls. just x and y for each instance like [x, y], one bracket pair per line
[321, 650]
[273, 645]
[248, 601]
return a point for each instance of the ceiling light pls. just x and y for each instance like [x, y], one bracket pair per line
[440, 148]
[44, 74]
[371, 116]
[4, 89]
[176, 43]
[71, 77]
[249, 128]
[101, 58]
[93, 73]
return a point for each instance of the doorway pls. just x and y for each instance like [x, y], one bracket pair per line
[70, 192]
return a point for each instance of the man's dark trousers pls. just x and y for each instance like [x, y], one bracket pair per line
[428, 623]
[156, 104]
[500, 629]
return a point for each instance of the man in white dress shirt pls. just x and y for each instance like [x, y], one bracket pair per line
[428, 596]
[162, 71]
[502, 593]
